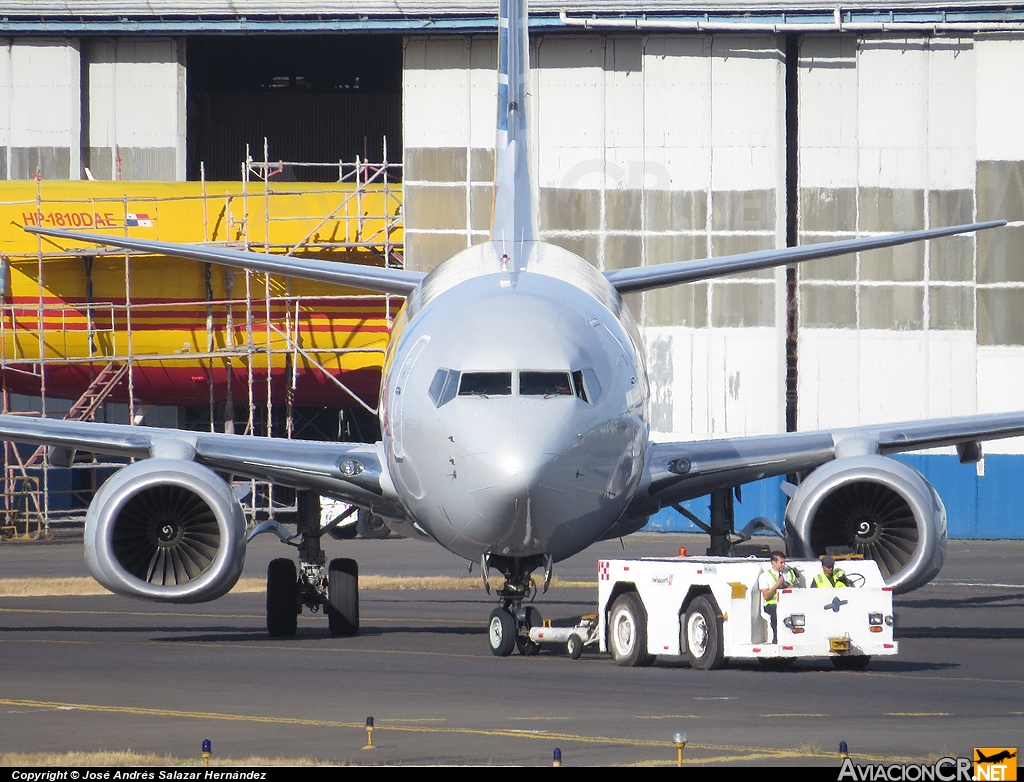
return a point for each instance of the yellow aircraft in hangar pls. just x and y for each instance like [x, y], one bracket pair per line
[188, 329]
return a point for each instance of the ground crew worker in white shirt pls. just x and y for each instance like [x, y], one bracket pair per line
[777, 576]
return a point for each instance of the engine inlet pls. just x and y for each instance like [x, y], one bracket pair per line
[870, 519]
[166, 535]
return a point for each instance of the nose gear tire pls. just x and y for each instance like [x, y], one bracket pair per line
[501, 633]
[524, 645]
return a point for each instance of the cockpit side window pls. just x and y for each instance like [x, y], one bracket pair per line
[443, 386]
[544, 384]
[586, 384]
[581, 389]
[486, 384]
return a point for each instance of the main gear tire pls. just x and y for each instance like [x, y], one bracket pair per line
[343, 597]
[282, 598]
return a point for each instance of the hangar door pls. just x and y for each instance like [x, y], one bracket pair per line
[317, 99]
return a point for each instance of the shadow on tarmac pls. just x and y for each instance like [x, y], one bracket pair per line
[980, 601]
[971, 633]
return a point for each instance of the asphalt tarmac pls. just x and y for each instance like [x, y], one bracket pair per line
[110, 673]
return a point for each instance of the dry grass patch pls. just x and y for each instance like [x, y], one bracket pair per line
[447, 582]
[68, 587]
[129, 758]
[50, 587]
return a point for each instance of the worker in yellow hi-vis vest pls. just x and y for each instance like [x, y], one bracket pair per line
[777, 576]
[829, 576]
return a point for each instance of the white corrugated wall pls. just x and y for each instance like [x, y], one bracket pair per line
[136, 108]
[648, 150]
[40, 109]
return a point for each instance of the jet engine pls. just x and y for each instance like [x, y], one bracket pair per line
[167, 530]
[874, 506]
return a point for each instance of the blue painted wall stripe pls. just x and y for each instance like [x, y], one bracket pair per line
[989, 507]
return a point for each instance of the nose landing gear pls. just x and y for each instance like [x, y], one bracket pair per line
[509, 625]
[509, 628]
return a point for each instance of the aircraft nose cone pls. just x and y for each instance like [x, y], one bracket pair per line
[517, 444]
[504, 457]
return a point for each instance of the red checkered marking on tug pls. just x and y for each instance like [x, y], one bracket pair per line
[602, 571]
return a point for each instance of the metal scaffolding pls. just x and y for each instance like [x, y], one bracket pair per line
[256, 327]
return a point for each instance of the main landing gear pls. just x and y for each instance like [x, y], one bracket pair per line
[313, 584]
[510, 623]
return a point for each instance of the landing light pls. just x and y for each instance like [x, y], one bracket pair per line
[350, 467]
[680, 466]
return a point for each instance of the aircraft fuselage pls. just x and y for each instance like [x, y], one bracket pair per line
[514, 406]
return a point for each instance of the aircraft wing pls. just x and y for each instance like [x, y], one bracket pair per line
[684, 470]
[353, 472]
[643, 278]
[374, 278]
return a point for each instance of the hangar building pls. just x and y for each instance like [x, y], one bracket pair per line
[666, 130]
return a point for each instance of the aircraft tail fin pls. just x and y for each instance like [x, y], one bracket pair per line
[513, 218]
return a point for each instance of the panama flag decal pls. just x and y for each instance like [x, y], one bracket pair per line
[140, 220]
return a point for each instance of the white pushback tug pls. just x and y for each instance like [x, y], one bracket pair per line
[710, 609]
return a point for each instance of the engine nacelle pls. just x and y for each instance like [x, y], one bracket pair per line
[877, 507]
[165, 529]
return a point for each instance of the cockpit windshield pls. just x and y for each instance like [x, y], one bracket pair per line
[485, 384]
[448, 383]
[544, 384]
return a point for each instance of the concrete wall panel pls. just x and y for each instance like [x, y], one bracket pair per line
[483, 58]
[1000, 96]
[892, 116]
[745, 382]
[5, 101]
[850, 378]
[951, 390]
[747, 113]
[44, 108]
[828, 112]
[136, 108]
[570, 113]
[951, 127]
[677, 111]
[436, 93]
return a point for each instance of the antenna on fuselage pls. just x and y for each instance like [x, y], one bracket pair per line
[512, 218]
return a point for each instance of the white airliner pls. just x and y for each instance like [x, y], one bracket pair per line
[514, 413]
